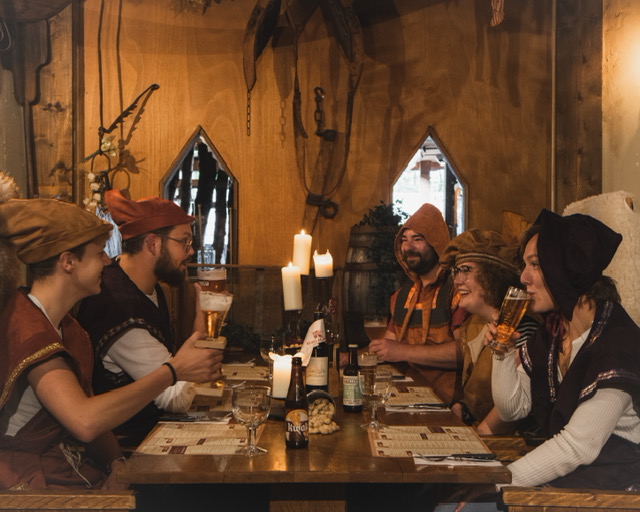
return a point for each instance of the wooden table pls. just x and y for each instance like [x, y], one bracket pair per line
[343, 457]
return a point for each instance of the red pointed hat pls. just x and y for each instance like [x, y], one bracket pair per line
[135, 218]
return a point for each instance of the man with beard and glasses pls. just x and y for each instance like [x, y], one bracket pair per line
[128, 322]
[424, 312]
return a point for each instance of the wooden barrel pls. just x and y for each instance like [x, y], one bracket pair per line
[371, 275]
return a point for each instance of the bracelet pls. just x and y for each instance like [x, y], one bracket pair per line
[173, 371]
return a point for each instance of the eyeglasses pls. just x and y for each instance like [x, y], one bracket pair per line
[186, 244]
[463, 271]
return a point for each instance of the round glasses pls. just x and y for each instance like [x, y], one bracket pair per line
[186, 244]
[463, 271]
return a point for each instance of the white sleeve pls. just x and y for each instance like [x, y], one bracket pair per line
[138, 353]
[579, 442]
[510, 388]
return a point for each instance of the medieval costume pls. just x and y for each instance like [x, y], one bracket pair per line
[36, 451]
[427, 314]
[588, 409]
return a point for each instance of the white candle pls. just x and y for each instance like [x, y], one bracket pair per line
[323, 264]
[281, 375]
[302, 252]
[291, 288]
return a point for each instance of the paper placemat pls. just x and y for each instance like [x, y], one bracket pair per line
[236, 372]
[195, 439]
[408, 441]
[409, 395]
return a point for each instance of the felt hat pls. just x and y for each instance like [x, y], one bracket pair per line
[135, 218]
[42, 228]
[479, 245]
[573, 251]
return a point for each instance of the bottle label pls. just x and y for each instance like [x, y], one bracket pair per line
[317, 371]
[296, 426]
[351, 395]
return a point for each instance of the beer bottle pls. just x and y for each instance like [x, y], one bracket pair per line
[351, 396]
[296, 420]
[317, 376]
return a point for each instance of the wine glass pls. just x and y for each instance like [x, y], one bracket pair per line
[251, 406]
[270, 345]
[375, 386]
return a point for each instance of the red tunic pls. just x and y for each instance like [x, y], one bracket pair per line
[32, 458]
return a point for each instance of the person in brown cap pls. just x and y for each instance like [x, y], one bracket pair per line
[483, 268]
[129, 321]
[424, 312]
[47, 406]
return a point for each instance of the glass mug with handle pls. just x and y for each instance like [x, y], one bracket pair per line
[514, 305]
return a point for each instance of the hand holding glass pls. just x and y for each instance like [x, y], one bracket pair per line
[251, 406]
[513, 307]
[375, 386]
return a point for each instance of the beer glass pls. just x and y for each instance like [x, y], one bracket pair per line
[250, 406]
[513, 307]
[375, 326]
[214, 307]
[375, 388]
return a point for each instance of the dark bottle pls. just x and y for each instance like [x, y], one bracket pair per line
[296, 420]
[351, 396]
[317, 373]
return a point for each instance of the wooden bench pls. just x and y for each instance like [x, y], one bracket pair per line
[62, 500]
[550, 499]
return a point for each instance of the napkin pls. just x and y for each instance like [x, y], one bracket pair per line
[316, 334]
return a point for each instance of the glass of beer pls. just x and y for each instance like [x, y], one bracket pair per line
[375, 326]
[513, 307]
[215, 307]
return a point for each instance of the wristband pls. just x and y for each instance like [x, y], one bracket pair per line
[173, 372]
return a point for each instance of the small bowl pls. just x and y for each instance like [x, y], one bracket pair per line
[316, 394]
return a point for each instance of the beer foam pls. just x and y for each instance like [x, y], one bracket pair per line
[212, 274]
[210, 301]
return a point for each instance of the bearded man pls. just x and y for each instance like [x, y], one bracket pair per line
[424, 311]
[128, 322]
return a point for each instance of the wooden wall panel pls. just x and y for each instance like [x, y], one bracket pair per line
[485, 91]
[579, 100]
[53, 115]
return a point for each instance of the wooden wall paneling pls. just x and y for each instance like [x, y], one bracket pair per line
[579, 101]
[485, 91]
[53, 115]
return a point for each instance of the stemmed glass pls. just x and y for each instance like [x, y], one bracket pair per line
[251, 406]
[375, 387]
[271, 345]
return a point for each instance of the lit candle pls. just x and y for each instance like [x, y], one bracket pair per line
[302, 252]
[281, 375]
[291, 288]
[323, 264]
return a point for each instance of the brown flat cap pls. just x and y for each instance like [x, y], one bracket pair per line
[479, 245]
[43, 228]
[135, 218]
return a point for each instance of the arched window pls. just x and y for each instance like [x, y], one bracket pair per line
[200, 182]
[430, 177]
